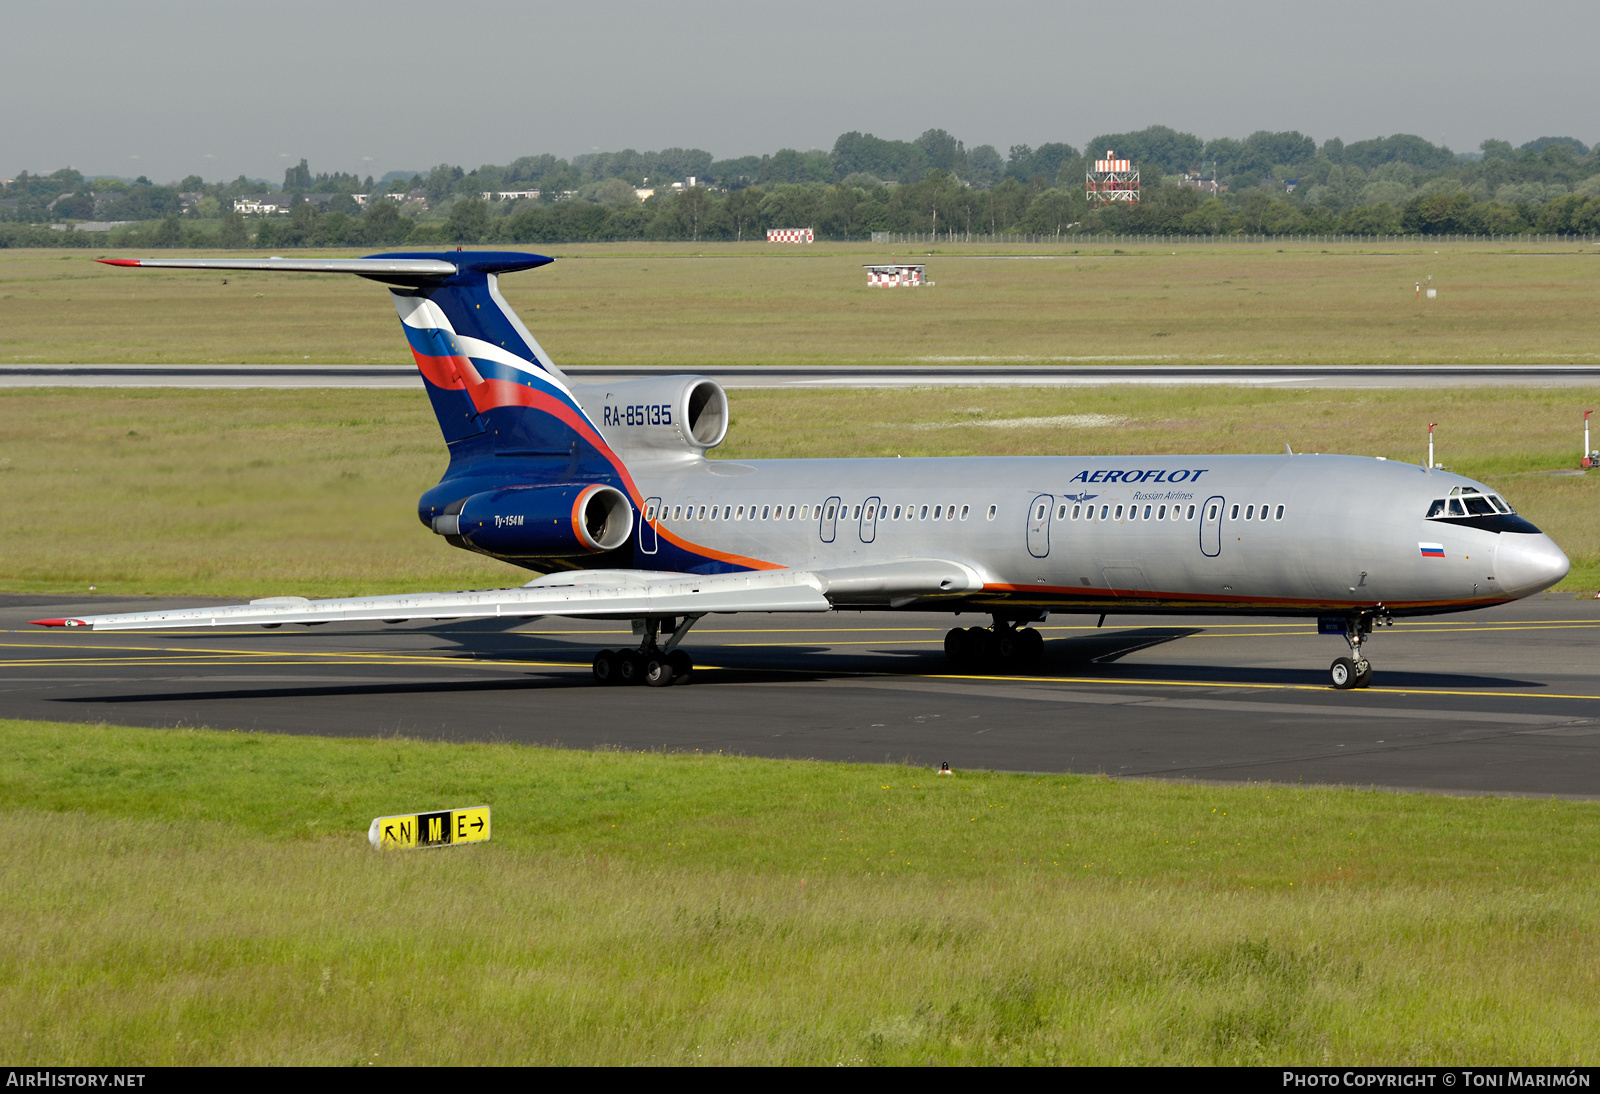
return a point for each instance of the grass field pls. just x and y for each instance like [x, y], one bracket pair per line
[694, 305]
[182, 896]
[250, 493]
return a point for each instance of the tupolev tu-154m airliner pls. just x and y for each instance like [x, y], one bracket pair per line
[605, 490]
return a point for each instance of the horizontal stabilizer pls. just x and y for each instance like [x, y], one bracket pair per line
[369, 267]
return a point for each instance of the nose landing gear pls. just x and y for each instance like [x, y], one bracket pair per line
[653, 665]
[1354, 671]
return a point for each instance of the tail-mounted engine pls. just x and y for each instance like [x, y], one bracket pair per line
[659, 418]
[563, 521]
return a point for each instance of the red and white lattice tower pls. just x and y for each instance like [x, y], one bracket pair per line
[1112, 180]
[790, 235]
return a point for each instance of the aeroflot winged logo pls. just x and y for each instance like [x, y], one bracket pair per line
[1106, 477]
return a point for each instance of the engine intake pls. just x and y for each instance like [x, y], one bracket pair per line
[571, 519]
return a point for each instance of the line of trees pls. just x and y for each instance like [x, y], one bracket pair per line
[1267, 183]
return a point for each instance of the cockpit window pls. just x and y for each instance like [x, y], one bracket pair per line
[1478, 505]
[1500, 503]
[1436, 509]
[1455, 508]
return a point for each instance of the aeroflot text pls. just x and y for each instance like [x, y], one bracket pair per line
[1140, 476]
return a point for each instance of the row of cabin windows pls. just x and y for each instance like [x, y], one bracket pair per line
[1159, 512]
[803, 512]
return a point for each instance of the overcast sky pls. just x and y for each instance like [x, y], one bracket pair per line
[166, 88]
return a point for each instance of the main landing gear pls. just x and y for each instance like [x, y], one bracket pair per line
[1355, 671]
[1006, 646]
[653, 665]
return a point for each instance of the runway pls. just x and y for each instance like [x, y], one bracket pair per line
[943, 371]
[1504, 701]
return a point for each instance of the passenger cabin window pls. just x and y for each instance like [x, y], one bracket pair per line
[829, 514]
[857, 513]
[949, 512]
[1146, 512]
[677, 512]
[1235, 514]
[1104, 509]
[702, 512]
[650, 512]
[896, 513]
[1119, 513]
[1249, 512]
[992, 510]
[1191, 513]
[1280, 513]
[1076, 509]
[965, 509]
[1213, 515]
[924, 513]
[765, 510]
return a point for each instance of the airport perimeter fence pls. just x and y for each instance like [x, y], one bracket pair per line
[1008, 240]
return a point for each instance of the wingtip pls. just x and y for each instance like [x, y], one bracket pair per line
[56, 622]
[119, 261]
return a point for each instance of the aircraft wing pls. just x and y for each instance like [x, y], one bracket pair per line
[616, 594]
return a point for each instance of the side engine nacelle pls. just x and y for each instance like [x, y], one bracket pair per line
[561, 521]
[660, 417]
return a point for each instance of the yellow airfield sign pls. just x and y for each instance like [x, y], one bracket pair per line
[441, 829]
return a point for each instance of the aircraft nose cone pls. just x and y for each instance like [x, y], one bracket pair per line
[1525, 564]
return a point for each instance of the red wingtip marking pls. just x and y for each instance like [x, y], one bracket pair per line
[56, 622]
[119, 261]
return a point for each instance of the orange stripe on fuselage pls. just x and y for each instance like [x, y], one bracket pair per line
[1069, 591]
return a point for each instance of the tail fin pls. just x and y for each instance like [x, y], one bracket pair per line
[494, 390]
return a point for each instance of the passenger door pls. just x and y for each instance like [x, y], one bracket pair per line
[1039, 525]
[869, 519]
[647, 526]
[828, 519]
[1211, 526]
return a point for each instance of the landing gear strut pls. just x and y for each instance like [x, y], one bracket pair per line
[1006, 646]
[652, 664]
[1355, 671]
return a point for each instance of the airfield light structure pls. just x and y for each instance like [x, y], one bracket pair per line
[1111, 180]
[1588, 453]
[1430, 444]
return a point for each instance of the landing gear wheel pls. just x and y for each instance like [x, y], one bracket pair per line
[1363, 673]
[682, 666]
[657, 671]
[955, 647]
[630, 667]
[1032, 646]
[980, 645]
[1342, 673]
[1008, 645]
[605, 668]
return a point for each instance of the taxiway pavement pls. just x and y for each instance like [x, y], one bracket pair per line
[1502, 701]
